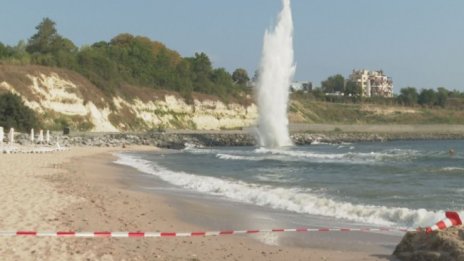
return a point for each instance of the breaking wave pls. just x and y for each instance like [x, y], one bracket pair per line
[262, 154]
[290, 199]
[452, 170]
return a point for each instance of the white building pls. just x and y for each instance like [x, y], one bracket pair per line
[373, 83]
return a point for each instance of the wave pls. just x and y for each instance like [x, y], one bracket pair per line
[272, 178]
[452, 170]
[224, 156]
[351, 157]
[290, 199]
[318, 142]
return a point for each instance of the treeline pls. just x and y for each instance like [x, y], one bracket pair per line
[409, 96]
[337, 89]
[127, 59]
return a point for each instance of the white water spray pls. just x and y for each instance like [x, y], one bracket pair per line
[275, 75]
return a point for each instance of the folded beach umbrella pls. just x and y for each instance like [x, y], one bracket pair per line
[452, 219]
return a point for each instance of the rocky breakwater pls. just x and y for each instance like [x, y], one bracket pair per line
[179, 140]
[158, 139]
[334, 137]
[446, 245]
[162, 140]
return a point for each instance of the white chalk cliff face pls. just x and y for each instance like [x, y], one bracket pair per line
[54, 96]
[174, 113]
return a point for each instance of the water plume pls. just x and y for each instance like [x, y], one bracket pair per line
[275, 75]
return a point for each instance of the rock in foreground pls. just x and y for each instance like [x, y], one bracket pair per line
[447, 245]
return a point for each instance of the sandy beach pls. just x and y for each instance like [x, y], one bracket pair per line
[83, 190]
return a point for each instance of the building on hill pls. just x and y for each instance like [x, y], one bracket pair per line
[373, 83]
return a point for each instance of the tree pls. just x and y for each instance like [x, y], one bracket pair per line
[63, 44]
[14, 54]
[408, 96]
[14, 114]
[4, 52]
[201, 71]
[221, 76]
[240, 76]
[427, 97]
[44, 39]
[442, 96]
[335, 83]
[95, 64]
[127, 60]
[49, 48]
[222, 81]
[201, 64]
[353, 89]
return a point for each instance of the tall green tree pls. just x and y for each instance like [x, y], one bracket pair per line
[201, 64]
[427, 97]
[201, 72]
[442, 96]
[49, 48]
[221, 76]
[240, 76]
[408, 96]
[4, 52]
[43, 40]
[352, 89]
[335, 83]
[95, 64]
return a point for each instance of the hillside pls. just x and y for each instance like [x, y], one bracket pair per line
[311, 111]
[65, 98]
[133, 83]
[62, 98]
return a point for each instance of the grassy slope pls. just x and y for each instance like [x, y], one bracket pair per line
[306, 111]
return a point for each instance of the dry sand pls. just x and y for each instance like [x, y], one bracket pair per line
[80, 190]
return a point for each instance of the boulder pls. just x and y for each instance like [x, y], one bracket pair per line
[444, 245]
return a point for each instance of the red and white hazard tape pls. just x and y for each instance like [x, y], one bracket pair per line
[452, 219]
[190, 234]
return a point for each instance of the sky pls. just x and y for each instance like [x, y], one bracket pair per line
[416, 42]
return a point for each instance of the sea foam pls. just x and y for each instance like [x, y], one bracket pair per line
[291, 199]
[351, 157]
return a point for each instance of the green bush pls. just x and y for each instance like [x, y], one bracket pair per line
[14, 114]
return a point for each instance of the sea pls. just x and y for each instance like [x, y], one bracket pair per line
[398, 184]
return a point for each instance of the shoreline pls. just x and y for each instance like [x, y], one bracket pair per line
[83, 190]
[112, 182]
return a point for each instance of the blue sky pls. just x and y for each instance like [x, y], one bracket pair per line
[417, 42]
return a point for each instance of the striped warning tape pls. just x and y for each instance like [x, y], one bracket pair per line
[452, 219]
[190, 234]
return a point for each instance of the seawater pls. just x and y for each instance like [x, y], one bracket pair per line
[398, 184]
